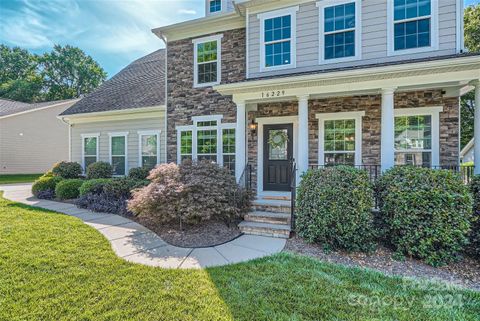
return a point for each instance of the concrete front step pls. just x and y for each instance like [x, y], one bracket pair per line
[268, 217]
[265, 229]
[276, 206]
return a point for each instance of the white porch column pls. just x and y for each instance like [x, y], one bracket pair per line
[476, 129]
[302, 157]
[240, 140]
[387, 150]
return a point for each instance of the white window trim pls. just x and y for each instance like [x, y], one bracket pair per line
[118, 134]
[194, 129]
[292, 11]
[196, 42]
[148, 133]
[434, 112]
[433, 31]
[91, 135]
[358, 30]
[357, 116]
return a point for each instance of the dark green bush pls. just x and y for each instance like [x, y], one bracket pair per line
[138, 173]
[45, 183]
[67, 170]
[426, 212]
[93, 186]
[68, 189]
[474, 247]
[334, 208]
[122, 187]
[99, 170]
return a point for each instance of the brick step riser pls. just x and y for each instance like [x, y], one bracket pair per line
[265, 232]
[272, 209]
[263, 219]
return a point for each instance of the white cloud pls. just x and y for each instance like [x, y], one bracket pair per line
[187, 11]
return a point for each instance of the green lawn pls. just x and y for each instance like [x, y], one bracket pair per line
[18, 178]
[54, 267]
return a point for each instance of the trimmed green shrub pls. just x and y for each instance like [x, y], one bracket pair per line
[68, 189]
[67, 170]
[474, 247]
[427, 212]
[190, 192]
[45, 183]
[99, 170]
[334, 208]
[93, 186]
[139, 173]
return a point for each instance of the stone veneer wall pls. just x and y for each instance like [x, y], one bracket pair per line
[184, 101]
[371, 131]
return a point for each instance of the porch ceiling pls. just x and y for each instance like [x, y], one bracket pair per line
[451, 74]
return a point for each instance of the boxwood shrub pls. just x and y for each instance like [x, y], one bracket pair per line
[93, 185]
[334, 208]
[474, 247]
[427, 212]
[140, 173]
[99, 170]
[45, 183]
[67, 170]
[68, 189]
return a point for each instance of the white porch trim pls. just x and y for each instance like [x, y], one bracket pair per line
[261, 121]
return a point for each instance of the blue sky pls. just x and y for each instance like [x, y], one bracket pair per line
[113, 32]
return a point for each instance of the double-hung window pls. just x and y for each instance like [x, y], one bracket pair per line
[340, 138]
[417, 136]
[89, 149]
[215, 6]
[118, 153]
[207, 64]
[413, 27]
[207, 139]
[339, 30]
[278, 39]
[149, 148]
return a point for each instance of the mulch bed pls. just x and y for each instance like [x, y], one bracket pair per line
[200, 235]
[465, 273]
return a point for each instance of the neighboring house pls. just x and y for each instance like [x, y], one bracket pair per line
[123, 121]
[32, 139]
[258, 83]
[466, 154]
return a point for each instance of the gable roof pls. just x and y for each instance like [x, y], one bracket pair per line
[10, 107]
[140, 84]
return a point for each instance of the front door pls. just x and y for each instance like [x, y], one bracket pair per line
[277, 157]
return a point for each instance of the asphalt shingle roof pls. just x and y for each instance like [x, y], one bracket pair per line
[11, 107]
[140, 84]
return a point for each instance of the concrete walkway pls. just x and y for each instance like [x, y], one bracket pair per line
[135, 243]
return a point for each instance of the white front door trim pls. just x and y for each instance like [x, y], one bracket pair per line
[261, 121]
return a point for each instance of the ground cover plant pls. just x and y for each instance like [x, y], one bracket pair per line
[54, 267]
[18, 178]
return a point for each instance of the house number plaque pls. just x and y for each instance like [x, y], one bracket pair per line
[273, 93]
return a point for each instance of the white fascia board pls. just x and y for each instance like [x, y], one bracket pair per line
[104, 115]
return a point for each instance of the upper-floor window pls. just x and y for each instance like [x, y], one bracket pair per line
[207, 55]
[414, 26]
[278, 45]
[215, 6]
[339, 31]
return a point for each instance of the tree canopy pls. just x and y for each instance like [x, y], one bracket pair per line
[64, 73]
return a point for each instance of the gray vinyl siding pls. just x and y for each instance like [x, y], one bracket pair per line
[374, 38]
[106, 127]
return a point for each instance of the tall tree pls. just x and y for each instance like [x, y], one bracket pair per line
[472, 43]
[19, 79]
[69, 73]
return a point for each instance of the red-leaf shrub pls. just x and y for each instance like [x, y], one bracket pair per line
[190, 192]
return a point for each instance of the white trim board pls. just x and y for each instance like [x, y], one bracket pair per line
[261, 121]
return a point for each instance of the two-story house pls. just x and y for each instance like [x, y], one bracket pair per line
[360, 82]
